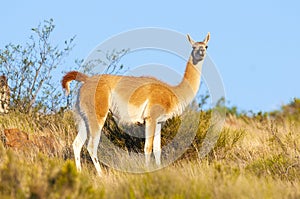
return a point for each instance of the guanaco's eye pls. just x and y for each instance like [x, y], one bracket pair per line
[206, 47]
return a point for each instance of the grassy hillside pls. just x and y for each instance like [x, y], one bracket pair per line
[255, 157]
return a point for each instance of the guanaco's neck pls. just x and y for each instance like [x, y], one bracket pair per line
[191, 79]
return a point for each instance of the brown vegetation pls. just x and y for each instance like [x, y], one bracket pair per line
[20, 140]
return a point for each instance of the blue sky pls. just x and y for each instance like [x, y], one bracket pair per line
[254, 44]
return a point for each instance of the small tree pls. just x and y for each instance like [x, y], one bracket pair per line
[30, 68]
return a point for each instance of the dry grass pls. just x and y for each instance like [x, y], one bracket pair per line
[252, 159]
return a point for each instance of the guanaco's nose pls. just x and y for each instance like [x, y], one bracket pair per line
[201, 52]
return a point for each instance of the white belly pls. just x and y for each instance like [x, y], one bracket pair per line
[127, 113]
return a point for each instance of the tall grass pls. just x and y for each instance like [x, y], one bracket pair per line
[253, 158]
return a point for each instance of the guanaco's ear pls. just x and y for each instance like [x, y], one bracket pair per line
[190, 39]
[207, 38]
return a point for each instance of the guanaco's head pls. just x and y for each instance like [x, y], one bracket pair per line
[199, 49]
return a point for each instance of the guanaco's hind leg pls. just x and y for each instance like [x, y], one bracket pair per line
[95, 106]
[90, 124]
[79, 142]
[95, 128]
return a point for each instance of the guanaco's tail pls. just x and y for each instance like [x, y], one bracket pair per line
[70, 76]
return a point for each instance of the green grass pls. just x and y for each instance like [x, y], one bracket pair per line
[252, 159]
